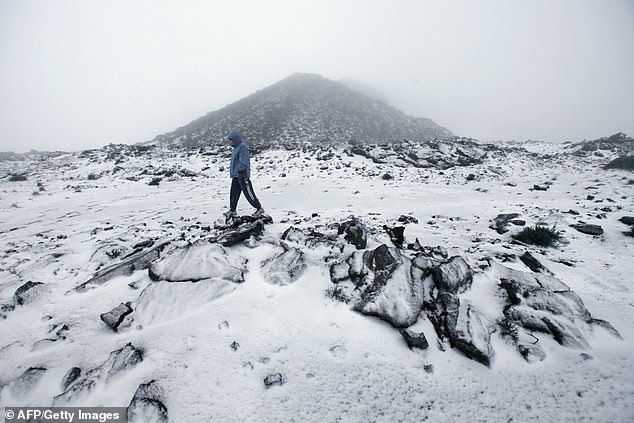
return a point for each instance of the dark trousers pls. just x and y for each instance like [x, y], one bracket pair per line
[238, 186]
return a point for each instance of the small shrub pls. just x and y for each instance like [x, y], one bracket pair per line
[541, 236]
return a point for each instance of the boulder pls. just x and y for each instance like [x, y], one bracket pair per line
[354, 232]
[532, 263]
[137, 261]
[284, 268]
[201, 260]
[628, 220]
[115, 317]
[273, 379]
[588, 229]
[388, 289]
[147, 404]
[118, 362]
[396, 234]
[26, 293]
[24, 384]
[241, 233]
[453, 276]
[414, 339]
[407, 219]
[70, 377]
[501, 222]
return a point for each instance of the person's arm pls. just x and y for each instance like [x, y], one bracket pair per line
[243, 160]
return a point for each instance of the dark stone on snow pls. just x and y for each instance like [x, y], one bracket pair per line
[414, 339]
[147, 404]
[155, 181]
[273, 379]
[623, 162]
[501, 222]
[396, 234]
[471, 177]
[17, 177]
[588, 229]
[540, 188]
[119, 361]
[531, 352]
[143, 244]
[590, 197]
[628, 220]
[70, 377]
[115, 317]
[22, 295]
[518, 222]
[138, 261]
[241, 233]
[407, 219]
[532, 263]
[354, 232]
[454, 276]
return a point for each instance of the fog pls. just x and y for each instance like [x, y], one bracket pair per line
[80, 74]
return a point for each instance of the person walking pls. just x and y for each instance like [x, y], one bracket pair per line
[240, 173]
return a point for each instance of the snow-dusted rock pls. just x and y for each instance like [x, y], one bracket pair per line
[396, 234]
[284, 268]
[24, 383]
[27, 292]
[469, 330]
[201, 260]
[71, 375]
[501, 222]
[273, 379]
[588, 229]
[531, 352]
[114, 317]
[119, 361]
[241, 233]
[453, 276]
[414, 339]
[354, 232]
[389, 291]
[147, 405]
[138, 261]
[532, 263]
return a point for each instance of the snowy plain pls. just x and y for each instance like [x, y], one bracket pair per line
[337, 364]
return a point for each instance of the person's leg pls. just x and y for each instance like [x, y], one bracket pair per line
[234, 195]
[247, 188]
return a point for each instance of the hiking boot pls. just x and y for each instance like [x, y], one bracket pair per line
[258, 213]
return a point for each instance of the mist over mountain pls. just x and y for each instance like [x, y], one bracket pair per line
[306, 108]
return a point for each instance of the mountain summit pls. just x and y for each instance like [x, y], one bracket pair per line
[306, 107]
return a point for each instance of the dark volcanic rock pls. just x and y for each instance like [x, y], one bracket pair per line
[119, 361]
[70, 377]
[501, 222]
[273, 379]
[137, 261]
[114, 317]
[396, 234]
[284, 268]
[17, 177]
[354, 232]
[243, 232]
[25, 293]
[588, 229]
[407, 219]
[628, 220]
[414, 339]
[532, 263]
[147, 404]
[390, 290]
[454, 276]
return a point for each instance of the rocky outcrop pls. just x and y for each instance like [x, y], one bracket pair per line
[147, 405]
[354, 232]
[285, 267]
[201, 260]
[115, 317]
[26, 293]
[118, 362]
[453, 276]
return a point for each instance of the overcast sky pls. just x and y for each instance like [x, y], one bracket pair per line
[79, 74]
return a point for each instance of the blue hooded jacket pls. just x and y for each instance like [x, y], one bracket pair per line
[240, 157]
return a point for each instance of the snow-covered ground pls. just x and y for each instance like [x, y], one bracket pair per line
[337, 364]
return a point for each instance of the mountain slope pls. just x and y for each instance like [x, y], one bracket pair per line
[306, 107]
